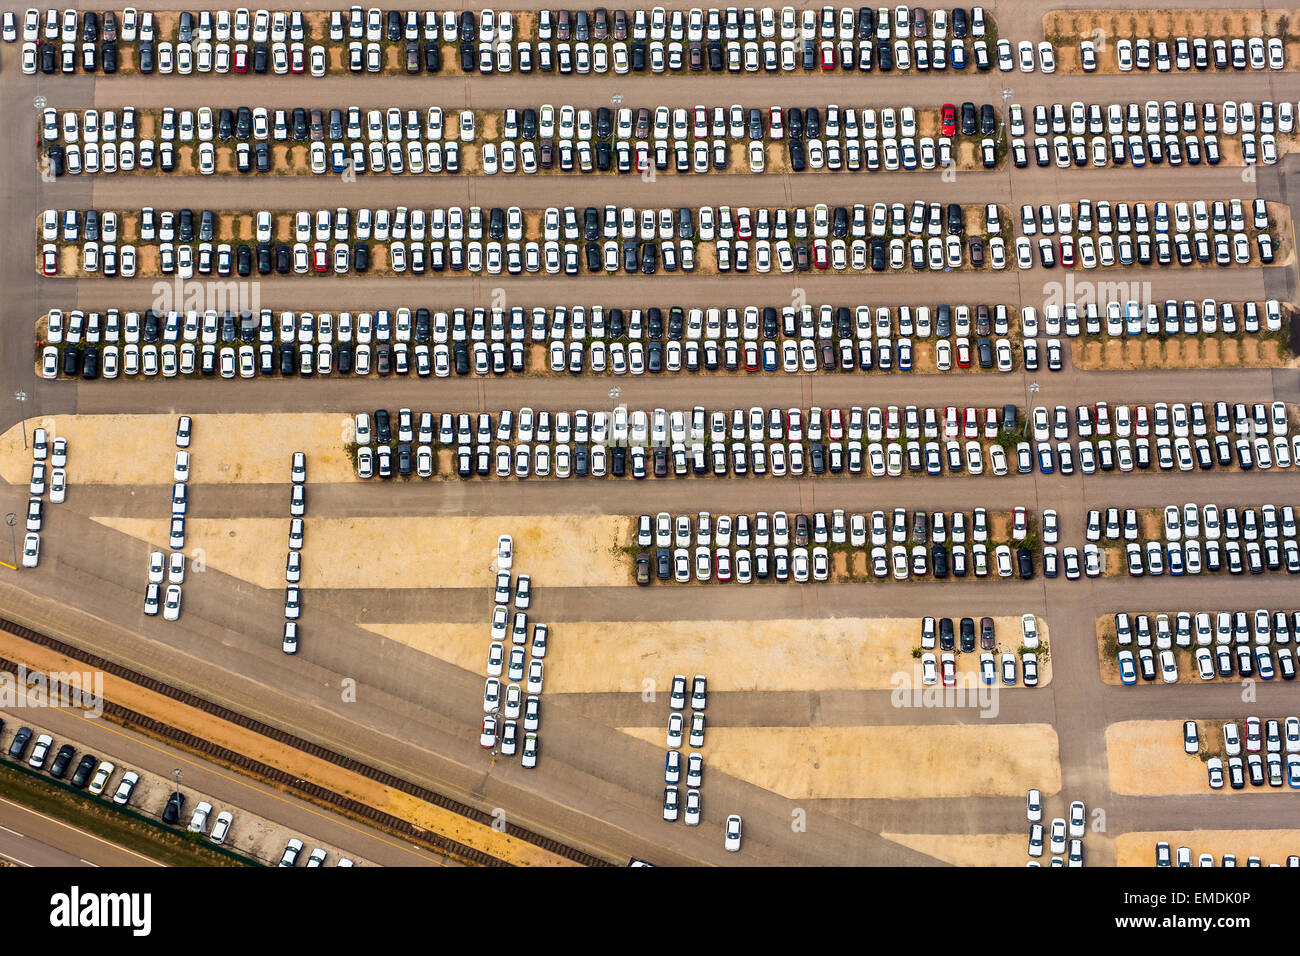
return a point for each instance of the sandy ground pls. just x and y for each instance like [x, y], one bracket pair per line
[885, 762]
[619, 656]
[968, 849]
[1271, 846]
[568, 550]
[1145, 758]
[302, 765]
[223, 448]
[1208, 352]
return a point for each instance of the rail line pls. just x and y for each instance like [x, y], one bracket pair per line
[405, 828]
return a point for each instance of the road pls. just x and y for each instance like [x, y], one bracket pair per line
[29, 838]
[597, 787]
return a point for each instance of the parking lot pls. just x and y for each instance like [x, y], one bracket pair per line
[804, 710]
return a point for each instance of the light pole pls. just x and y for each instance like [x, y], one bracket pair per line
[1032, 390]
[177, 774]
[11, 519]
[21, 397]
[614, 393]
[1006, 96]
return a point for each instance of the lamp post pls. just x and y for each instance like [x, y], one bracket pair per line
[21, 398]
[1031, 391]
[1006, 96]
[11, 519]
[614, 393]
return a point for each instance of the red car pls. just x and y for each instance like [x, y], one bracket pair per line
[949, 120]
[1067, 252]
[751, 357]
[828, 56]
[963, 353]
[296, 63]
[50, 259]
[819, 256]
[321, 258]
[241, 59]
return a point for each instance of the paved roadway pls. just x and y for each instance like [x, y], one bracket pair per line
[595, 786]
[29, 838]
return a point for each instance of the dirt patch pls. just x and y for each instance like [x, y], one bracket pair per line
[141, 449]
[791, 655]
[1146, 758]
[967, 849]
[886, 762]
[449, 552]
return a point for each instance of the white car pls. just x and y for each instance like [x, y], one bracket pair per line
[200, 818]
[731, 839]
[1034, 806]
[31, 549]
[505, 552]
[172, 603]
[221, 828]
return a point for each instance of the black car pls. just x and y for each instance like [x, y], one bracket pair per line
[175, 804]
[18, 749]
[85, 767]
[643, 559]
[1025, 563]
[968, 118]
[967, 635]
[987, 641]
[59, 767]
[946, 642]
[663, 564]
[988, 120]
[110, 57]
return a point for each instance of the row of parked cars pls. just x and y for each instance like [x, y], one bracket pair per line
[1263, 760]
[1198, 53]
[1054, 839]
[293, 559]
[908, 439]
[172, 565]
[694, 763]
[590, 325]
[565, 123]
[90, 773]
[1227, 644]
[398, 142]
[725, 548]
[520, 698]
[1192, 557]
[1167, 133]
[1184, 856]
[51, 454]
[610, 240]
[484, 341]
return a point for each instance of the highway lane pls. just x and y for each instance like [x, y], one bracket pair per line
[30, 838]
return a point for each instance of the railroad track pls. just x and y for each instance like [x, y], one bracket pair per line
[436, 841]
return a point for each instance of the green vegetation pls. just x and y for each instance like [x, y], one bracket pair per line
[123, 827]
